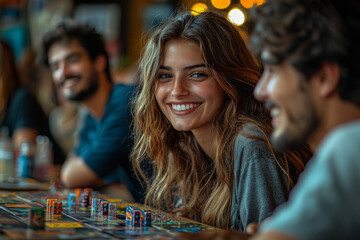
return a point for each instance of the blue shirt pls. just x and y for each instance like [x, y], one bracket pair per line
[105, 143]
[325, 204]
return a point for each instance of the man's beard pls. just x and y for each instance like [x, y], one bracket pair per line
[84, 94]
[298, 131]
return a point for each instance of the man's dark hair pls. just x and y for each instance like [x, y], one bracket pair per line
[307, 33]
[87, 37]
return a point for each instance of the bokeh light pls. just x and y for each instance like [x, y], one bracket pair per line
[251, 3]
[198, 8]
[236, 16]
[220, 4]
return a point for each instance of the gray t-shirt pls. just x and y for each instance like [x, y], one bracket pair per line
[325, 204]
[259, 183]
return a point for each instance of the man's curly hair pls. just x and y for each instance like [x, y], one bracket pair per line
[307, 33]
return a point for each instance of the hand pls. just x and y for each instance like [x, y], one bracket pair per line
[252, 228]
[214, 235]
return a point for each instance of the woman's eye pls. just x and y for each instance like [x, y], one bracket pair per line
[198, 75]
[164, 76]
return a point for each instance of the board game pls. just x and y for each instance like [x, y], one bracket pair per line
[20, 218]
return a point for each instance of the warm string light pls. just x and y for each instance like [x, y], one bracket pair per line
[198, 8]
[251, 3]
[236, 16]
[220, 4]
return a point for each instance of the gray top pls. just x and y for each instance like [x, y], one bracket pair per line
[259, 183]
[325, 201]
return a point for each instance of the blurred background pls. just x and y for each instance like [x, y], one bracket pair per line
[124, 24]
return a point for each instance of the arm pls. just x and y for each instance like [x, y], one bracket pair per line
[103, 146]
[75, 173]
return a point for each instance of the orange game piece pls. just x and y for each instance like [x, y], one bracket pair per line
[49, 204]
[78, 192]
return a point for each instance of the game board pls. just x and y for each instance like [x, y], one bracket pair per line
[80, 223]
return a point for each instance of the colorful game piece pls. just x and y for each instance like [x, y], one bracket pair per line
[81, 224]
[95, 204]
[49, 205]
[78, 192]
[72, 199]
[57, 208]
[85, 200]
[104, 208]
[133, 216]
[37, 218]
[146, 218]
[112, 210]
[100, 202]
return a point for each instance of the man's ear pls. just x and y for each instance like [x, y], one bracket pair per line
[329, 78]
[100, 63]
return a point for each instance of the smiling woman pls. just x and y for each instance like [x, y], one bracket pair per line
[186, 92]
[206, 136]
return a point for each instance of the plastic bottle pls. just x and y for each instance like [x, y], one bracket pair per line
[25, 163]
[6, 158]
[43, 159]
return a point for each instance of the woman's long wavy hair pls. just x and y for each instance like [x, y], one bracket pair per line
[182, 170]
[9, 77]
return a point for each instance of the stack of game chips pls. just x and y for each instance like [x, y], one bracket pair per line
[95, 205]
[104, 208]
[146, 218]
[112, 210]
[85, 200]
[72, 200]
[133, 216]
[36, 218]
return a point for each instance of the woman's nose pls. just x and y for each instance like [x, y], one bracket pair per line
[180, 87]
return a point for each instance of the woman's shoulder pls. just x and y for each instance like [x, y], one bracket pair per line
[250, 134]
[252, 144]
